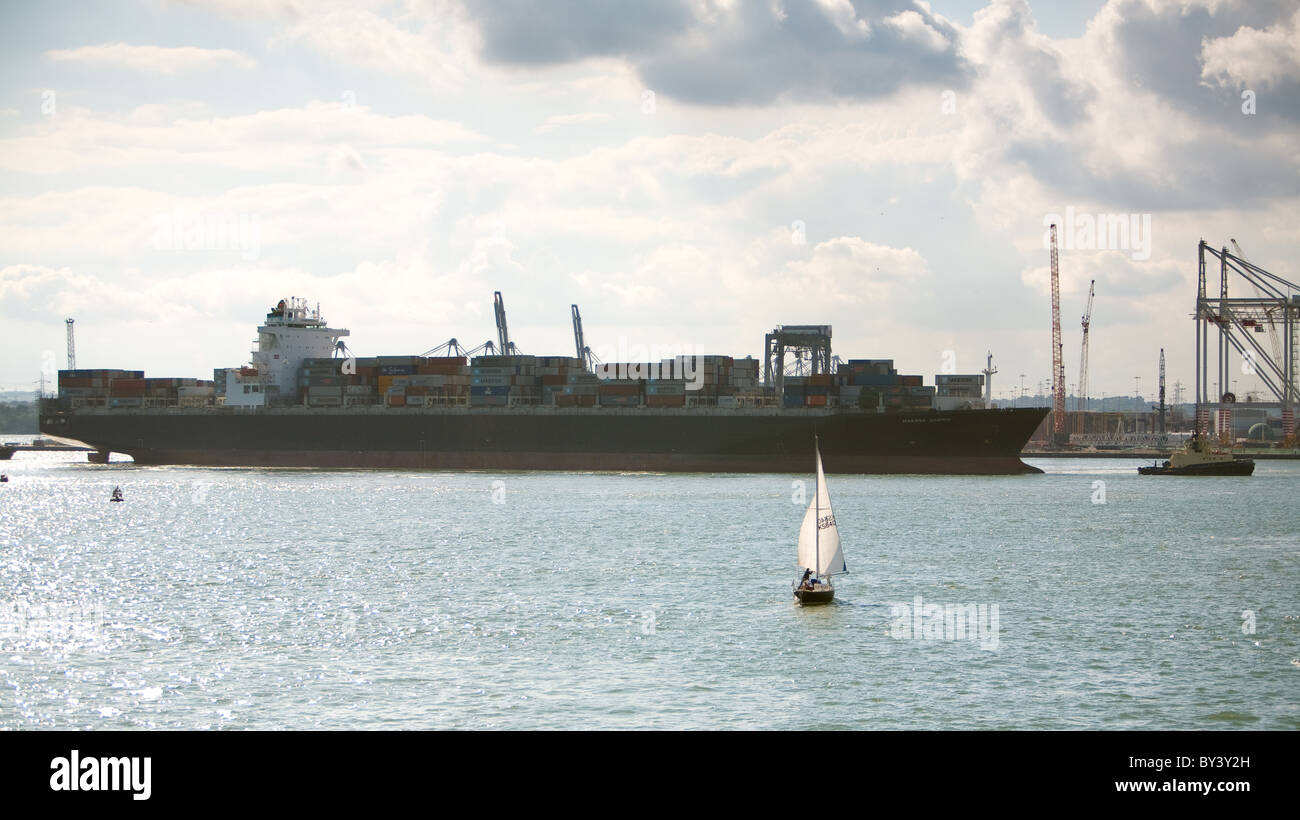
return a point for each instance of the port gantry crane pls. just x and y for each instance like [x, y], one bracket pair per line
[1082, 400]
[1058, 367]
[451, 347]
[503, 335]
[1235, 318]
[1269, 313]
[589, 360]
[503, 347]
[810, 346]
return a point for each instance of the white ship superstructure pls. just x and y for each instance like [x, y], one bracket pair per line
[293, 332]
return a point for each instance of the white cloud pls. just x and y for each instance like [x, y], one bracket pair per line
[1253, 56]
[914, 27]
[440, 54]
[303, 137]
[403, 215]
[561, 120]
[845, 18]
[154, 58]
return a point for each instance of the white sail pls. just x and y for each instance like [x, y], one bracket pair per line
[819, 538]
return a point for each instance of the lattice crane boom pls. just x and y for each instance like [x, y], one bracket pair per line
[1058, 367]
[1083, 355]
[1162, 408]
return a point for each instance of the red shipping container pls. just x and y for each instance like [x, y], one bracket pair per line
[127, 387]
[666, 401]
[816, 401]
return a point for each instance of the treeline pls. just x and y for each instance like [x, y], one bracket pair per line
[18, 417]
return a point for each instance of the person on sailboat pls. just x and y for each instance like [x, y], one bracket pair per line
[804, 583]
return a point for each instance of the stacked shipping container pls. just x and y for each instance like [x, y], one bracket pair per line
[876, 384]
[498, 381]
[129, 388]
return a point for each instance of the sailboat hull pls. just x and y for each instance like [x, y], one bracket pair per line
[810, 597]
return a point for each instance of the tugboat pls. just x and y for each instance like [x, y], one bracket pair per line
[1198, 458]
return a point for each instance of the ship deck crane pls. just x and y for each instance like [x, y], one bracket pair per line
[1058, 367]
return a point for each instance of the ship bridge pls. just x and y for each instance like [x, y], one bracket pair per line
[293, 332]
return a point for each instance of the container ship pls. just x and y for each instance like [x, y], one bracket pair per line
[305, 401]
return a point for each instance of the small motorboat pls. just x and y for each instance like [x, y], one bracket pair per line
[4, 479]
[1199, 458]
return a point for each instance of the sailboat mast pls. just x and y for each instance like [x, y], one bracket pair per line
[817, 501]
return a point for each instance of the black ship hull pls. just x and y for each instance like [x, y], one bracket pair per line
[972, 442]
[1236, 467]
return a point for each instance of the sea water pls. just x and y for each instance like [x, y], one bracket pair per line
[1086, 598]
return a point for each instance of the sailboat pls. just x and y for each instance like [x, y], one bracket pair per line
[819, 545]
[117, 494]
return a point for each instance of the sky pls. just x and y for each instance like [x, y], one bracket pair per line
[691, 173]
